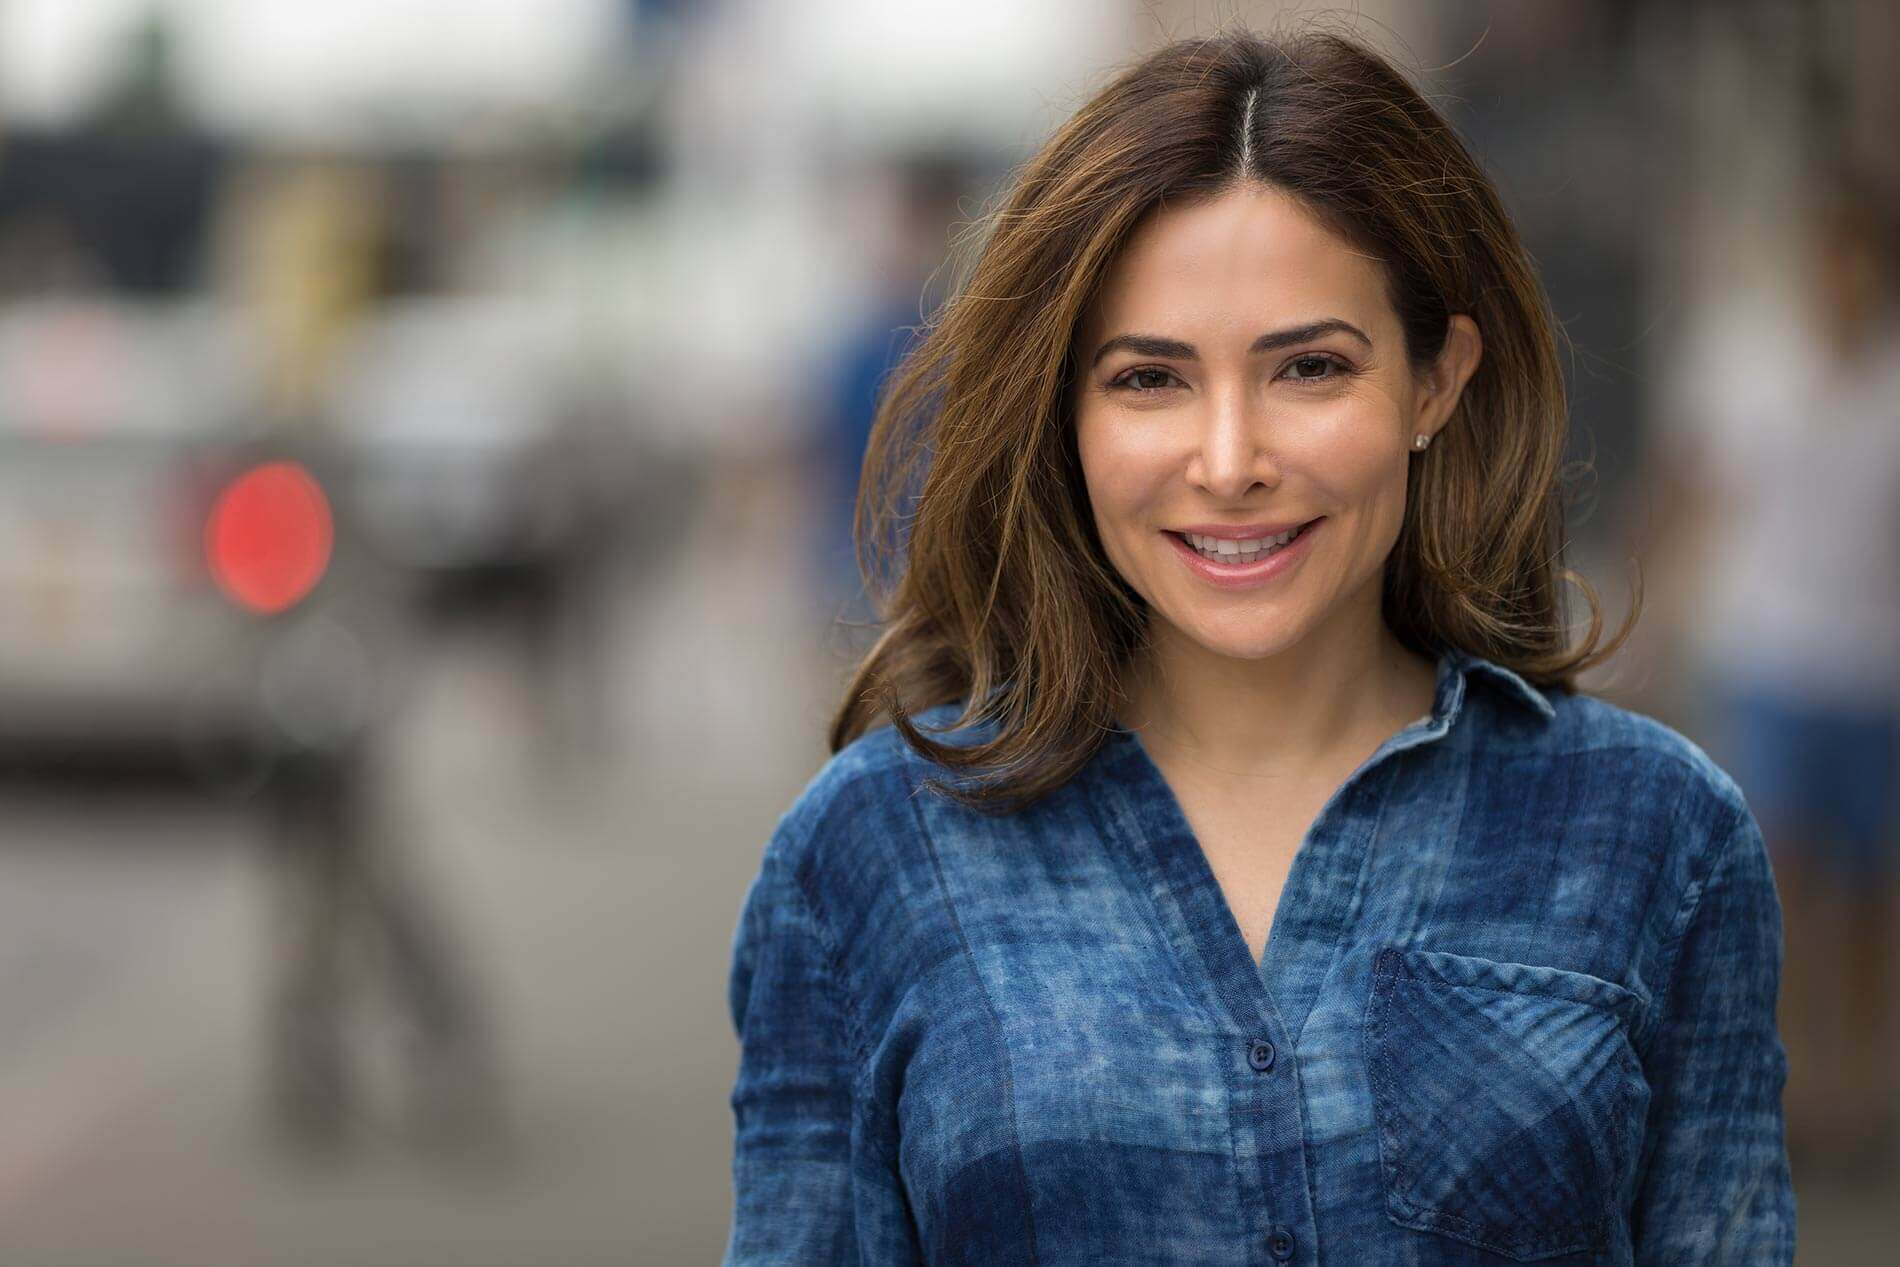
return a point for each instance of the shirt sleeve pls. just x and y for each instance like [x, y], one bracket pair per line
[807, 1187]
[1715, 1187]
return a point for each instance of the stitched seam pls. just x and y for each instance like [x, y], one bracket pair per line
[1623, 1169]
[845, 1004]
[1670, 954]
[1672, 758]
[843, 998]
[1379, 1068]
[1671, 949]
[1570, 1238]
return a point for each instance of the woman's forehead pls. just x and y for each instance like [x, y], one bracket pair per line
[1252, 255]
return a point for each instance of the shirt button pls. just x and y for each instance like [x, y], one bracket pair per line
[1260, 1055]
[1280, 1244]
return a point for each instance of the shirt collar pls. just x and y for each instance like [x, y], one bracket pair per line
[1456, 665]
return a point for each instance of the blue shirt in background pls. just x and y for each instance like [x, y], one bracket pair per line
[865, 363]
[1518, 1005]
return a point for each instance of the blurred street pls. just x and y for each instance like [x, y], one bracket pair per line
[595, 911]
[426, 484]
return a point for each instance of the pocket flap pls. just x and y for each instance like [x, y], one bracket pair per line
[1514, 978]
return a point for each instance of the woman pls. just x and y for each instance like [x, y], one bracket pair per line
[1242, 878]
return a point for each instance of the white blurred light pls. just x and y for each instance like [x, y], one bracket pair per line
[339, 70]
[998, 69]
[55, 54]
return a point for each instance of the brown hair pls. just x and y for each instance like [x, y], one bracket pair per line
[972, 519]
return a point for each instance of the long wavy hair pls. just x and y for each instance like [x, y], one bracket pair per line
[972, 522]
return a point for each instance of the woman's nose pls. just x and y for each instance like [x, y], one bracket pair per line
[1231, 455]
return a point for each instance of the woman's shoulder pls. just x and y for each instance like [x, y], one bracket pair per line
[862, 796]
[1650, 785]
[1631, 806]
[1623, 743]
[1585, 740]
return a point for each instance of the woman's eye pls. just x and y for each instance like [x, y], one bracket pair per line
[1312, 369]
[1144, 379]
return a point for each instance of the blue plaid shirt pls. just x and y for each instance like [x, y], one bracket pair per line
[1517, 1006]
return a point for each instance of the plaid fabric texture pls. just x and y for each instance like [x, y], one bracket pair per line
[1517, 1006]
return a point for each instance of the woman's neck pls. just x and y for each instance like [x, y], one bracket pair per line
[1294, 711]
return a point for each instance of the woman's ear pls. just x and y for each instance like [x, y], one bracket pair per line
[1445, 381]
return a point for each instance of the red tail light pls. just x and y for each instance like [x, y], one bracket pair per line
[269, 536]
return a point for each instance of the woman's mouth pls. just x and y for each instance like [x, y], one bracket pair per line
[1234, 553]
[1243, 564]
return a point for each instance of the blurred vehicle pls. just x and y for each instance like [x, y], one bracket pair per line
[445, 399]
[175, 583]
[181, 588]
[503, 470]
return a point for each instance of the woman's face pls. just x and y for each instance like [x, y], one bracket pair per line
[1241, 373]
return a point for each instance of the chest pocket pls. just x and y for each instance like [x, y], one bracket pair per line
[1509, 1101]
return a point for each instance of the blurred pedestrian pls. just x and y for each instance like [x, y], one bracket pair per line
[345, 892]
[906, 281]
[1790, 465]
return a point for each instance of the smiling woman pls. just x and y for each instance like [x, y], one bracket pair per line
[1279, 897]
[1240, 441]
[1268, 273]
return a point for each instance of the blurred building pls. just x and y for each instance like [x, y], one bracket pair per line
[574, 314]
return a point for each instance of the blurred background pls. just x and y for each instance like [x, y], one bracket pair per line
[427, 438]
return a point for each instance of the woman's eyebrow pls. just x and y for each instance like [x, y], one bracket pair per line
[1174, 349]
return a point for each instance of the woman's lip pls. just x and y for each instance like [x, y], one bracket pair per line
[1245, 575]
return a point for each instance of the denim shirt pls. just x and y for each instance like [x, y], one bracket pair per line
[1518, 1005]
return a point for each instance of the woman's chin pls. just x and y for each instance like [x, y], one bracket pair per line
[1223, 640]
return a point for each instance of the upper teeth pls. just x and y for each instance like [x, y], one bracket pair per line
[1225, 546]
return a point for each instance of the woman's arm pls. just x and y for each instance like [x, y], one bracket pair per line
[806, 1189]
[1715, 1186]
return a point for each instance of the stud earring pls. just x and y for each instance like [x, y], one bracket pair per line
[1419, 443]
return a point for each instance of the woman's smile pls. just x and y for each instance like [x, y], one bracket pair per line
[1241, 564]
